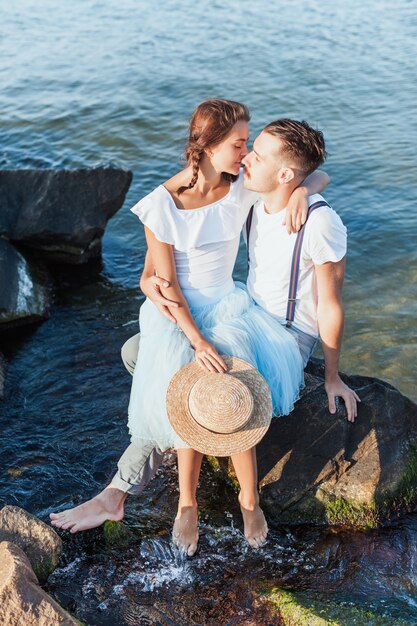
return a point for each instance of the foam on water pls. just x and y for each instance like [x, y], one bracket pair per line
[25, 286]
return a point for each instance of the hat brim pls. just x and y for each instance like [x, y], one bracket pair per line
[204, 440]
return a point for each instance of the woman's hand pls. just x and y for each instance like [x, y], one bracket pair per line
[151, 288]
[208, 358]
[297, 209]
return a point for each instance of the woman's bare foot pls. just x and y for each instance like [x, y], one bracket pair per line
[254, 522]
[108, 504]
[185, 531]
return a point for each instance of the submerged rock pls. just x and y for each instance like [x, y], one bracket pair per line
[62, 213]
[40, 542]
[25, 296]
[22, 601]
[306, 609]
[118, 535]
[315, 467]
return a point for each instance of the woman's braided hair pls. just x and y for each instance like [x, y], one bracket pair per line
[210, 123]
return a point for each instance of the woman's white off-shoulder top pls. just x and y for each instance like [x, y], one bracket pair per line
[205, 239]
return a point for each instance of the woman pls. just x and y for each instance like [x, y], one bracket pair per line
[192, 227]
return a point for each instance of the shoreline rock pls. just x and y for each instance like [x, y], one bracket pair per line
[61, 213]
[26, 299]
[58, 215]
[41, 544]
[318, 468]
[22, 601]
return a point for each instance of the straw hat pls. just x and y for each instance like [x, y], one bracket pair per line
[219, 413]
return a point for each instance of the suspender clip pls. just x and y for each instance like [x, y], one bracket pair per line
[288, 324]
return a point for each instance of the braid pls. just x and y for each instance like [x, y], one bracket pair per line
[194, 157]
[210, 124]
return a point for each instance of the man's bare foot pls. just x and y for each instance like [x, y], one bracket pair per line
[185, 531]
[108, 504]
[254, 522]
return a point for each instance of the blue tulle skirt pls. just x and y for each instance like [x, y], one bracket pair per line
[236, 326]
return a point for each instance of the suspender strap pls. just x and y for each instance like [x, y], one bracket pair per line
[295, 265]
[248, 227]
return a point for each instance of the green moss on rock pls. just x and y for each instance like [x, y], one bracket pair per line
[405, 495]
[117, 534]
[385, 506]
[302, 609]
[321, 507]
[342, 512]
[44, 568]
[223, 467]
[214, 463]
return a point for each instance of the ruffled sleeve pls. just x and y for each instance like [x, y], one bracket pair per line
[154, 211]
[190, 229]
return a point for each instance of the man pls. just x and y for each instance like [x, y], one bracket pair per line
[304, 294]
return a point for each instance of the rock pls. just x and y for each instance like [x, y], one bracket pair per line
[22, 601]
[315, 467]
[2, 376]
[26, 298]
[40, 542]
[62, 213]
[306, 609]
[117, 535]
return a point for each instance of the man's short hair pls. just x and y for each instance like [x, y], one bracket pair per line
[301, 144]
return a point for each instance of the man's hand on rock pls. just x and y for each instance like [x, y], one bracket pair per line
[335, 387]
[151, 288]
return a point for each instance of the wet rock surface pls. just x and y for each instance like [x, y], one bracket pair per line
[305, 609]
[41, 544]
[22, 601]
[61, 213]
[150, 582]
[49, 217]
[315, 467]
[24, 296]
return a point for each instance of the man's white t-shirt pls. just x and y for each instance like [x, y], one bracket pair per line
[270, 256]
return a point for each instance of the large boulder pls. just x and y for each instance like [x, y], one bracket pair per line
[22, 601]
[315, 467]
[62, 213]
[26, 296]
[40, 542]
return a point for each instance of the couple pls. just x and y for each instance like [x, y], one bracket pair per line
[194, 310]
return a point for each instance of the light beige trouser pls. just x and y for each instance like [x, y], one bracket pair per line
[138, 464]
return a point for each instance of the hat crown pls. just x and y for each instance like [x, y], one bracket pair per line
[221, 403]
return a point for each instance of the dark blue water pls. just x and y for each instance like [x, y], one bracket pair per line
[84, 83]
